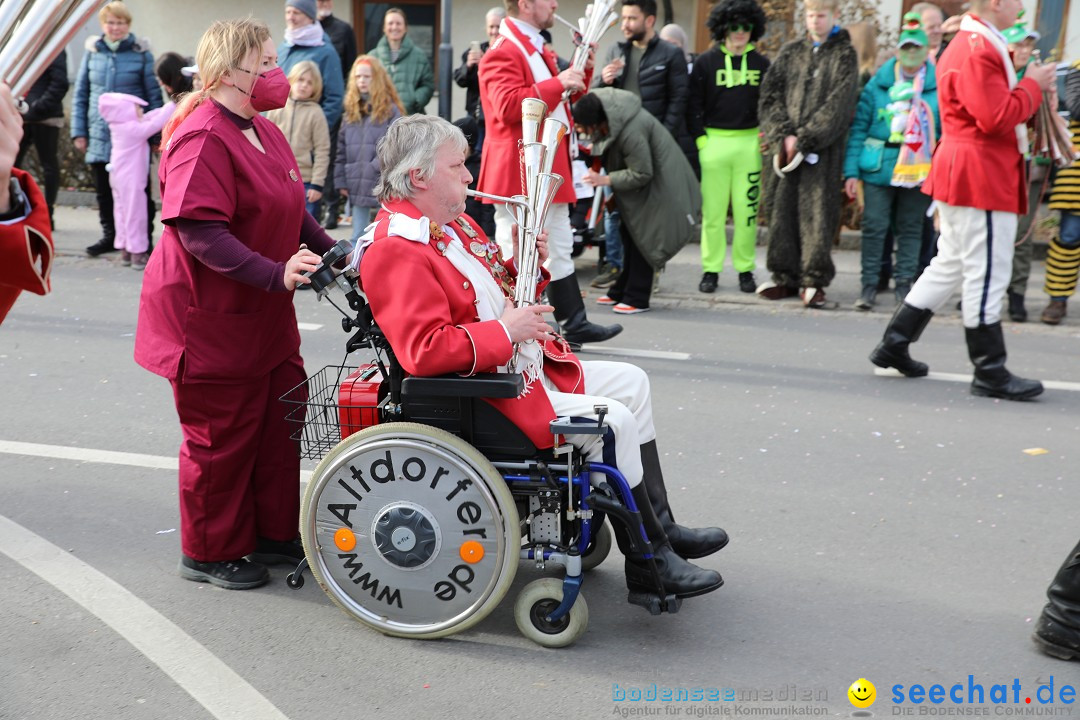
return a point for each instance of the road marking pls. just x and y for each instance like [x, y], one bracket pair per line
[308, 326]
[211, 682]
[633, 352]
[966, 378]
[109, 457]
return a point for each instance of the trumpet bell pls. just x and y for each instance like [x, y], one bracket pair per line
[535, 157]
[533, 112]
[547, 186]
[32, 33]
[554, 132]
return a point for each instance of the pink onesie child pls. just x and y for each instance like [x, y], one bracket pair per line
[129, 165]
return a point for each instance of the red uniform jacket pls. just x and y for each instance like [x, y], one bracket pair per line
[977, 163]
[506, 80]
[26, 248]
[427, 310]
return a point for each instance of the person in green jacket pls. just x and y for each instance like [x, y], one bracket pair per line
[408, 65]
[874, 144]
[656, 191]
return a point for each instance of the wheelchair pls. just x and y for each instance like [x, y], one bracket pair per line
[425, 497]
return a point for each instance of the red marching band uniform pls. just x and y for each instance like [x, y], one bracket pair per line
[977, 163]
[26, 248]
[504, 82]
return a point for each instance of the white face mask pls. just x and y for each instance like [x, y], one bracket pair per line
[323, 14]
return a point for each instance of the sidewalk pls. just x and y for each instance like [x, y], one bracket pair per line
[679, 282]
[77, 227]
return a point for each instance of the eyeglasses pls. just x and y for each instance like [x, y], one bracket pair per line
[741, 28]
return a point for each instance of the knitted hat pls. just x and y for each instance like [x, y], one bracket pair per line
[305, 6]
[1019, 32]
[912, 32]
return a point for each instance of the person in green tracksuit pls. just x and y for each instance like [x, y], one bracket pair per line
[723, 120]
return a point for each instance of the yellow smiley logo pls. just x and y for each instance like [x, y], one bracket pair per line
[862, 693]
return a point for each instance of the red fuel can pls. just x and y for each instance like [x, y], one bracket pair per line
[358, 400]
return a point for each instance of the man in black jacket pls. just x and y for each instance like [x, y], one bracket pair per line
[652, 69]
[467, 76]
[343, 39]
[42, 123]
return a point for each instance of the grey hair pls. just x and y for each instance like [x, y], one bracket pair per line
[678, 32]
[497, 11]
[922, 7]
[411, 143]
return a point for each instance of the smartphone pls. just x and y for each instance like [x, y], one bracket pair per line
[474, 46]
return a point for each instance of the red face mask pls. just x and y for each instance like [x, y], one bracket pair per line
[269, 91]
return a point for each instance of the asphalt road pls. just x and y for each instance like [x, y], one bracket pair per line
[882, 528]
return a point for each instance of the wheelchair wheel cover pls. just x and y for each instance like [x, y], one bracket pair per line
[410, 530]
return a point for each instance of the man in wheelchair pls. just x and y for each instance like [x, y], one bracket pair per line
[439, 293]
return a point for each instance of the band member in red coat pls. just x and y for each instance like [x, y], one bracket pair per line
[26, 248]
[440, 294]
[977, 178]
[515, 67]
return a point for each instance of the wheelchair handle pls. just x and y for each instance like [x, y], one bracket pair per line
[324, 277]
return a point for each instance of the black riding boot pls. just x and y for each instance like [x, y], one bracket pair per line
[986, 348]
[1058, 629]
[687, 542]
[565, 297]
[907, 324]
[680, 577]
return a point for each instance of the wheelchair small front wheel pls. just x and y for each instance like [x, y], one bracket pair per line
[536, 601]
[598, 549]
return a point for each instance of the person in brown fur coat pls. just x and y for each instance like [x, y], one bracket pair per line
[807, 104]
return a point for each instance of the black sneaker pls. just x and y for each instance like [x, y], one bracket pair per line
[229, 574]
[747, 283]
[708, 282]
[102, 246]
[278, 552]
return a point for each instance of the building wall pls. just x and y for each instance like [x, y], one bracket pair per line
[178, 26]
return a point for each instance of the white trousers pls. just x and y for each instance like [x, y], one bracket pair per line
[975, 253]
[624, 389]
[560, 239]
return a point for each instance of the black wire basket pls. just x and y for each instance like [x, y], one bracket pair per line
[320, 418]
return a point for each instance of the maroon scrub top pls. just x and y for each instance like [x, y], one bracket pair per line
[225, 330]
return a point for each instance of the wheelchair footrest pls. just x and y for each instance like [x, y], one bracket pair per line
[654, 603]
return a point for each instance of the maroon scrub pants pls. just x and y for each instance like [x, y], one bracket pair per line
[239, 471]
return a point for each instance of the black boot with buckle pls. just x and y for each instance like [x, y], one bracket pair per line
[986, 348]
[565, 296]
[1058, 631]
[689, 543]
[906, 326]
[680, 577]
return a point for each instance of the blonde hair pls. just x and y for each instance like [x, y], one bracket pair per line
[833, 5]
[309, 67]
[223, 48]
[382, 96]
[116, 9]
[864, 40]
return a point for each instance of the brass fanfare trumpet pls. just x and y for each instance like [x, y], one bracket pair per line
[32, 34]
[540, 139]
